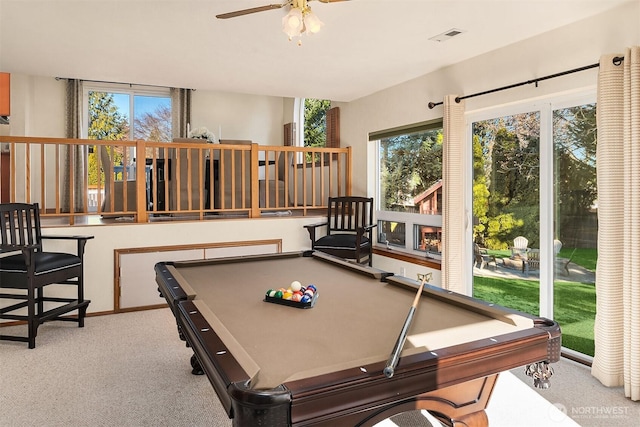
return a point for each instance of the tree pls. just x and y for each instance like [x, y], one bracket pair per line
[410, 163]
[315, 125]
[480, 194]
[105, 123]
[154, 126]
[575, 168]
[506, 181]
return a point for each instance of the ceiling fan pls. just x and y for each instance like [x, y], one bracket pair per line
[299, 20]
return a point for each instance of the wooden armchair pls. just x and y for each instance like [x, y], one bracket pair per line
[27, 269]
[520, 248]
[349, 229]
[482, 258]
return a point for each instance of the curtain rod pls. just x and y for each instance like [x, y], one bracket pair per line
[131, 85]
[616, 61]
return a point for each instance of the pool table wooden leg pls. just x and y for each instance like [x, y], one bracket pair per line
[475, 419]
[195, 365]
[461, 405]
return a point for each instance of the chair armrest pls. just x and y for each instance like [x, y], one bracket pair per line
[365, 229]
[82, 240]
[311, 228]
[319, 224]
[68, 237]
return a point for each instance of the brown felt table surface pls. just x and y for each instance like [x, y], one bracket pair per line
[356, 319]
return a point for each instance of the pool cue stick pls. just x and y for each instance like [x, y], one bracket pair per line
[395, 354]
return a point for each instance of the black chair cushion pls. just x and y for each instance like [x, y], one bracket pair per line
[45, 262]
[339, 241]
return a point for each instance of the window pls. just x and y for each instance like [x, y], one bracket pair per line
[117, 112]
[312, 119]
[409, 188]
[534, 175]
[315, 123]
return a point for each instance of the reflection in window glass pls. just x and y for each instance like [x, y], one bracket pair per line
[428, 239]
[411, 172]
[391, 233]
[576, 225]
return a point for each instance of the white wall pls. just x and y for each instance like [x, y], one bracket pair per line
[567, 48]
[37, 106]
[238, 116]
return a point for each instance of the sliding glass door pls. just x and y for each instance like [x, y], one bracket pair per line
[535, 212]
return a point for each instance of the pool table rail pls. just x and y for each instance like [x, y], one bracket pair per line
[421, 378]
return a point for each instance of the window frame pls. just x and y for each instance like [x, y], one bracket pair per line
[410, 220]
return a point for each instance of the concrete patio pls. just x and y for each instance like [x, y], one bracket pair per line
[512, 269]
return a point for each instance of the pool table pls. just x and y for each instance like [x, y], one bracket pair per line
[275, 365]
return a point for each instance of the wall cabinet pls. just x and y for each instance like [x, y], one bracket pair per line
[5, 94]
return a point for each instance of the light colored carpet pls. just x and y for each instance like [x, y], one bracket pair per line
[120, 370]
[131, 369]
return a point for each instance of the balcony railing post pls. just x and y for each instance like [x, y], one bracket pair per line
[348, 167]
[141, 182]
[255, 183]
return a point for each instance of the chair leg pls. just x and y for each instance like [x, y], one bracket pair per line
[82, 312]
[32, 320]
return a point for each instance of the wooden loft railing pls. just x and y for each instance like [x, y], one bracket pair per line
[72, 178]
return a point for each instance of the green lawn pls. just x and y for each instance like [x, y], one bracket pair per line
[583, 256]
[575, 305]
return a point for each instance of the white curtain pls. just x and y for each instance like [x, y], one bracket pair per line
[453, 173]
[617, 326]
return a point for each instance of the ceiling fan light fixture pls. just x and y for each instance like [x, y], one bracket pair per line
[293, 23]
[312, 23]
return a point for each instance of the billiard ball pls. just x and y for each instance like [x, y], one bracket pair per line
[295, 285]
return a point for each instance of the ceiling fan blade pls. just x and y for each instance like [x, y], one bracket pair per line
[330, 1]
[251, 10]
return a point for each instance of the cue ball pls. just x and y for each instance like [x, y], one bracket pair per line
[295, 285]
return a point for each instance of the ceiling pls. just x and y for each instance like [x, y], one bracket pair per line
[364, 46]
